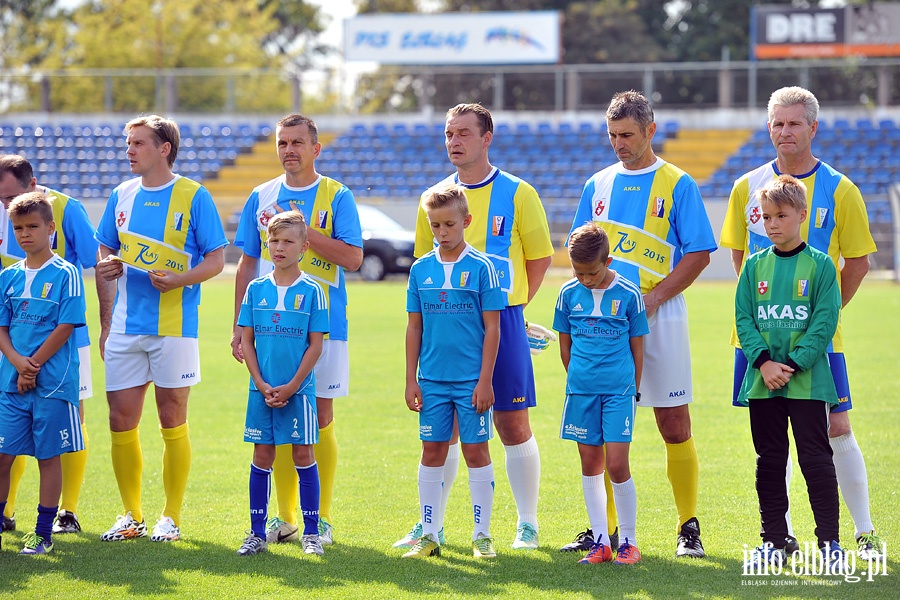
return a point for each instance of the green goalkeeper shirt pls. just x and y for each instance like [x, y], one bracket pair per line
[787, 307]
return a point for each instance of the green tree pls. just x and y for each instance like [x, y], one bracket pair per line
[299, 26]
[156, 35]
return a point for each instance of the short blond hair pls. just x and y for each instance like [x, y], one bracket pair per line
[784, 190]
[286, 220]
[450, 194]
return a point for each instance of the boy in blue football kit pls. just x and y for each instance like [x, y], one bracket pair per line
[42, 303]
[284, 319]
[601, 321]
[335, 244]
[74, 241]
[787, 307]
[454, 301]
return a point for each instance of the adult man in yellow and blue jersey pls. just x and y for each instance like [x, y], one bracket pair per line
[74, 241]
[837, 225]
[661, 240]
[335, 244]
[509, 225]
[160, 238]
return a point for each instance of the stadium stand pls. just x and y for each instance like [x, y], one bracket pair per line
[399, 160]
[86, 160]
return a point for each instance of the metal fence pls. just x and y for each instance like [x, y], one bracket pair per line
[854, 82]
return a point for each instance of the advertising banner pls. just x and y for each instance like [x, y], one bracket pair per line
[870, 29]
[489, 38]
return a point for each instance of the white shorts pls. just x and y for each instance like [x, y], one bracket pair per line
[333, 370]
[133, 360]
[666, 376]
[85, 384]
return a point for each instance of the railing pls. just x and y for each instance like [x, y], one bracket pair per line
[859, 82]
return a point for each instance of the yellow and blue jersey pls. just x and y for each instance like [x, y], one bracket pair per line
[73, 240]
[509, 225]
[169, 228]
[451, 296]
[329, 208]
[282, 318]
[34, 303]
[653, 217]
[601, 323]
[836, 224]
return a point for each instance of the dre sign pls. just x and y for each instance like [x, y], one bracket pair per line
[799, 28]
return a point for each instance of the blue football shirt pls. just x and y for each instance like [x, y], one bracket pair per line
[601, 323]
[452, 297]
[34, 303]
[73, 240]
[282, 318]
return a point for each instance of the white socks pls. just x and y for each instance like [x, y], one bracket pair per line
[626, 506]
[451, 468]
[481, 487]
[595, 501]
[430, 480]
[853, 480]
[523, 467]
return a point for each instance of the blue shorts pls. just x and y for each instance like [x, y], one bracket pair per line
[596, 419]
[513, 372]
[836, 361]
[440, 400]
[38, 427]
[296, 423]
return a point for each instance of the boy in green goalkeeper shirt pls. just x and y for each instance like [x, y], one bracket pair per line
[787, 307]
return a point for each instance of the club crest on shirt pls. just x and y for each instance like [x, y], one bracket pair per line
[615, 307]
[821, 218]
[298, 301]
[599, 207]
[178, 220]
[464, 278]
[803, 288]
[497, 225]
[755, 215]
[659, 208]
[762, 287]
[321, 219]
[46, 289]
[121, 217]
[54, 241]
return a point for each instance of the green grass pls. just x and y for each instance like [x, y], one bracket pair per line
[376, 498]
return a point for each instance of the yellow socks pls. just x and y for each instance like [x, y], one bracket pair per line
[128, 466]
[74, 465]
[15, 476]
[683, 471]
[176, 467]
[611, 518]
[326, 457]
[287, 490]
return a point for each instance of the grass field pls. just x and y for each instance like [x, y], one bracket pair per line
[376, 498]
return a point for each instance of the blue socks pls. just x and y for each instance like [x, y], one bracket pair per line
[309, 498]
[260, 489]
[44, 527]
